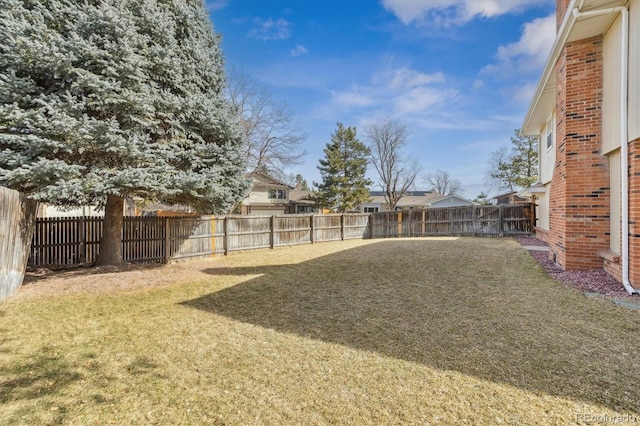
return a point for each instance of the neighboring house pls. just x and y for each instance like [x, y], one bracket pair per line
[47, 210]
[300, 202]
[511, 198]
[166, 210]
[450, 201]
[586, 112]
[269, 196]
[413, 199]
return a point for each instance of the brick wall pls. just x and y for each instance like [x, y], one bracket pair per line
[579, 199]
[561, 9]
[634, 212]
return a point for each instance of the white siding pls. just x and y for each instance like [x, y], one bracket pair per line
[266, 211]
[261, 196]
[547, 155]
[542, 213]
[54, 211]
[615, 200]
[611, 88]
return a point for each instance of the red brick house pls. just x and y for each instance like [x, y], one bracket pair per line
[586, 112]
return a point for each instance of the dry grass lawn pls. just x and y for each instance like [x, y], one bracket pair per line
[411, 331]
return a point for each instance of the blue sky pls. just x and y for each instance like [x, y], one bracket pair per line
[458, 73]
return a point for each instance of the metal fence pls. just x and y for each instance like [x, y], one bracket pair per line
[76, 240]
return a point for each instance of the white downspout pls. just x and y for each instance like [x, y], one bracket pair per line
[624, 147]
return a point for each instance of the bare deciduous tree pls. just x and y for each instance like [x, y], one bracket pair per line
[273, 135]
[397, 172]
[443, 183]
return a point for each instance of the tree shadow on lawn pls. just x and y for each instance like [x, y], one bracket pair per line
[45, 373]
[481, 307]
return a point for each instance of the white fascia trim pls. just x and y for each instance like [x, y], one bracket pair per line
[549, 67]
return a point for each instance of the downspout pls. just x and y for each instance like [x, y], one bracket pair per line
[624, 147]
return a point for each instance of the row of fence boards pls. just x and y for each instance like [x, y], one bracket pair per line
[17, 214]
[74, 241]
[487, 221]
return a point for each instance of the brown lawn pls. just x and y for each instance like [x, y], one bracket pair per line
[411, 331]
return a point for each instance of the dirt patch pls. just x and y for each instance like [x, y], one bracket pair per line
[593, 281]
[129, 277]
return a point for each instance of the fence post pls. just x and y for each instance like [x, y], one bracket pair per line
[213, 224]
[272, 225]
[533, 214]
[451, 214]
[500, 219]
[342, 227]
[311, 237]
[167, 240]
[409, 224]
[225, 238]
[475, 223]
[82, 234]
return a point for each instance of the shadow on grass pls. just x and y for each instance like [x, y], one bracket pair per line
[43, 374]
[479, 307]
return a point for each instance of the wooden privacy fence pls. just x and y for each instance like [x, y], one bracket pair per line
[76, 240]
[17, 215]
[478, 221]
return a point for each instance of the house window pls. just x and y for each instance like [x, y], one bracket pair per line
[550, 133]
[370, 209]
[277, 194]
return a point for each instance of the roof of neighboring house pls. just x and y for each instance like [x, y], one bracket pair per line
[537, 188]
[413, 198]
[408, 194]
[265, 180]
[505, 195]
[572, 29]
[452, 197]
[300, 197]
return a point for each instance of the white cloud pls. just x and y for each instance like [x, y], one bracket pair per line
[271, 29]
[454, 12]
[532, 49]
[353, 98]
[478, 84]
[520, 62]
[524, 93]
[410, 78]
[216, 4]
[299, 50]
[420, 99]
[402, 92]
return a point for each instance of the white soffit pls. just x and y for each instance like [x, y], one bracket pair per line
[544, 98]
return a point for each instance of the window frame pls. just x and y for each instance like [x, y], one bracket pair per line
[550, 133]
[277, 194]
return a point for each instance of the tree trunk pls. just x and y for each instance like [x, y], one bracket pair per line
[111, 243]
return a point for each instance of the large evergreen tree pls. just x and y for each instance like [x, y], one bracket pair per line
[515, 168]
[343, 169]
[105, 100]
